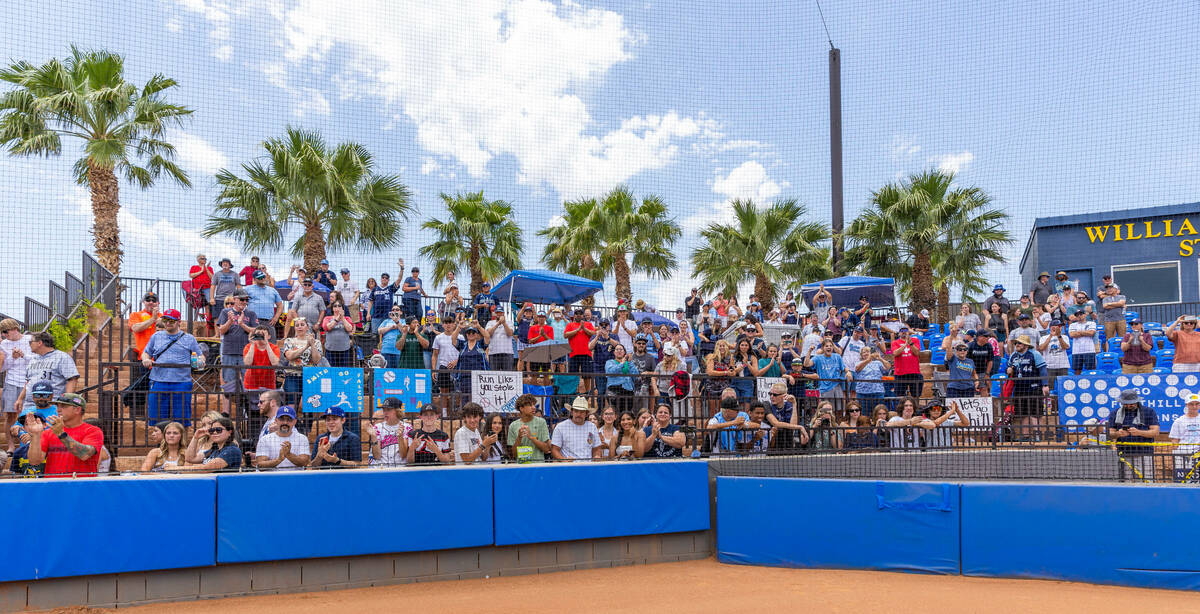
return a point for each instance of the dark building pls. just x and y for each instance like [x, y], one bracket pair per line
[1151, 254]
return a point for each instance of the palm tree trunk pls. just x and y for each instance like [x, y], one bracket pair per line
[943, 309]
[764, 291]
[922, 282]
[106, 205]
[621, 273]
[314, 248]
[476, 272]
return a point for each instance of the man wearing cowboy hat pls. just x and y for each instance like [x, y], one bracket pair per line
[1134, 423]
[1027, 370]
[1041, 289]
[576, 439]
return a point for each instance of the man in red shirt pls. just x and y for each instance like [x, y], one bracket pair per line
[67, 444]
[579, 334]
[907, 353]
[247, 271]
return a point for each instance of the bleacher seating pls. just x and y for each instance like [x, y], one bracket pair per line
[1164, 358]
[1108, 362]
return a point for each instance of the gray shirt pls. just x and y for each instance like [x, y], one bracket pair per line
[336, 338]
[1116, 314]
[1034, 335]
[311, 307]
[55, 366]
[234, 341]
[1041, 292]
[177, 353]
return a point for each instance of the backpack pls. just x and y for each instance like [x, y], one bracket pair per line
[681, 384]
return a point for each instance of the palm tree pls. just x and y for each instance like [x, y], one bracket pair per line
[479, 234]
[120, 125]
[771, 246]
[333, 195]
[928, 236]
[616, 235]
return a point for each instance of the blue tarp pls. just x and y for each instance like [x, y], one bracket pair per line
[541, 286]
[846, 290]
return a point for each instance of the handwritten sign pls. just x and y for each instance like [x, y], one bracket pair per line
[496, 391]
[412, 386]
[764, 387]
[326, 387]
[977, 409]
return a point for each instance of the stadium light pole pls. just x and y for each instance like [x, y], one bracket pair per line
[835, 150]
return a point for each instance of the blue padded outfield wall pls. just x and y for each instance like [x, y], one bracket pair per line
[556, 502]
[125, 524]
[93, 526]
[306, 514]
[1105, 534]
[891, 526]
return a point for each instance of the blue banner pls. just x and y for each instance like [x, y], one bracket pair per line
[412, 386]
[1090, 399]
[326, 387]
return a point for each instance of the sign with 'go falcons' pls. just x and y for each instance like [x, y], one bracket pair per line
[1090, 399]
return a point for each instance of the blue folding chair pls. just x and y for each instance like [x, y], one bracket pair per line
[1130, 315]
[1108, 362]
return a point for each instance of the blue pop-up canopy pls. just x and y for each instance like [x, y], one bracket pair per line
[541, 286]
[881, 291]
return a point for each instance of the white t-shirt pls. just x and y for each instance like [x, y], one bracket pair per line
[852, 352]
[940, 436]
[444, 345]
[347, 289]
[903, 437]
[1084, 345]
[389, 442]
[576, 440]
[15, 367]
[811, 340]
[1056, 354]
[625, 333]
[466, 441]
[270, 444]
[1187, 431]
[499, 342]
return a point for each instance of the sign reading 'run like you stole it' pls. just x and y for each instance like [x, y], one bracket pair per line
[496, 391]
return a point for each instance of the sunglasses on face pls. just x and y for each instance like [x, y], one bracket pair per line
[150, 300]
[216, 430]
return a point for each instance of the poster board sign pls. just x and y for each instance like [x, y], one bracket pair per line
[1090, 399]
[326, 387]
[977, 409]
[412, 386]
[764, 387]
[496, 391]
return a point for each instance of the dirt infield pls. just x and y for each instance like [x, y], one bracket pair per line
[708, 586]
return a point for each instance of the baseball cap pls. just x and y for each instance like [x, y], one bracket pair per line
[259, 274]
[1188, 319]
[150, 296]
[287, 410]
[415, 270]
[1136, 321]
[382, 275]
[345, 270]
[392, 403]
[72, 398]
[1056, 322]
[1023, 316]
[924, 313]
[336, 410]
[641, 338]
[324, 261]
[623, 308]
[486, 285]
[969, 333]
[1192, 398]
[541, 314]
[171, 314]
[646, 321]
[670, 351]
[42, 389]
[605, 322]
[428, 409]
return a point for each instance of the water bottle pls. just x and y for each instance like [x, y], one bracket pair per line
[195, 361]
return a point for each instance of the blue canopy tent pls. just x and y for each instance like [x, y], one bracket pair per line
[881, 291]
[541, 286]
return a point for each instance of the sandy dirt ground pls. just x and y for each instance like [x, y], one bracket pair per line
[709, 586]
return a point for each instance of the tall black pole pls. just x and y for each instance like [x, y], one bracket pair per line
[835, 150]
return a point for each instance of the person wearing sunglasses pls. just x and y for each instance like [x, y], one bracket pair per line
[142, 323]
[224, 453]
[1187, 344]
[963, 377]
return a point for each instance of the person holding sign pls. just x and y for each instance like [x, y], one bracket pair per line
[528, 435]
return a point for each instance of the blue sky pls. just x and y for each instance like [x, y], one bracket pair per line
[1051, 109]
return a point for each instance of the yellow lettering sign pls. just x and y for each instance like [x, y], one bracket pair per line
[1185, 247]
[1186, 227]
[1096, 232]
[1150, 231]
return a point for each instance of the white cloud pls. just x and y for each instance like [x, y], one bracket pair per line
[197, 155]
[311, 101]
[140, 234]
[485, 78]
[953, 163]
[429, 165]
[173, 25]
[749, 180]
[903, 147]
[223, 53]
[555, 221]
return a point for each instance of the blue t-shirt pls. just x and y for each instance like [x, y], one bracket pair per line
[387, 343]
[782, 414]
[231, 454]
[412, 281]
[262, 301]
[658, 449]
[830, 369]
[180, 353]
[483, 306]
[962, 373]
[869, 379]
[730, 436]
